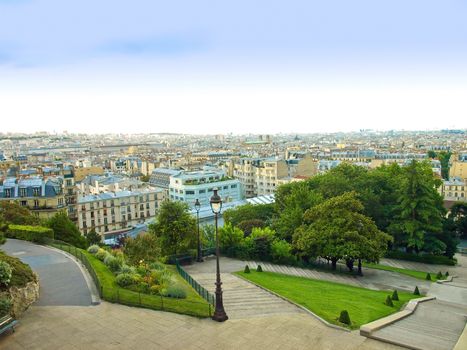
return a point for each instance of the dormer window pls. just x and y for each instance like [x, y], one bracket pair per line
[7, 192]
[36, 191]
[22, 192]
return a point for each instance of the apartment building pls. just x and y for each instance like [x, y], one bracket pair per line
[454, 190]
[112, 212]
[189, 186]
[458, 168]
[44, 197]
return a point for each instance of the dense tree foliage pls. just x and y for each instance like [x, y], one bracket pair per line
[175, 228]
[65, 230]
[12, 213]
[337, 229]
[92, 237]
[144, 247]
[235, 216]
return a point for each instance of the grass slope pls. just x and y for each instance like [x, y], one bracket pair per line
[421, 275]
[328, 299]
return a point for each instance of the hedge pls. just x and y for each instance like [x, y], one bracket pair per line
[37, 234]
[425, 258]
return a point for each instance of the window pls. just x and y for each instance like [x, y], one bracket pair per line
[36, 191]
[226, 187]
[36, 204]
[233, 186]
[22, 192]
[189, 192]
[23, 203]
[7, 193]
[202, 191]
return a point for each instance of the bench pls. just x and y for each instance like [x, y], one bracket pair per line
[6, 323]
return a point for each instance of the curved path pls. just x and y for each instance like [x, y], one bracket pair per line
[61, 280]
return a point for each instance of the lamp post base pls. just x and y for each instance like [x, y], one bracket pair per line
[220, 316]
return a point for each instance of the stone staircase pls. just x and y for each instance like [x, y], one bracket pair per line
[243, 299]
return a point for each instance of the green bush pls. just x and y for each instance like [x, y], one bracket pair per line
[439, 275]
[416, 291]
[127, 269]
[447, 274]
[425, 258]
[5, 306]
[125, 279]
[21, 273]
[389, 301]
[101, 254]
[344, 317]
[112, 263]
[175, 291]
[281, 252]
[2, 238]
[259, 268]
[247, 269]
[157, 266]
[5, 273]
[37, 234]
[395, 296]
[428, 277]
[93, 249]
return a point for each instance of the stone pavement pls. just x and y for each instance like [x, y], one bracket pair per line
[111, 326]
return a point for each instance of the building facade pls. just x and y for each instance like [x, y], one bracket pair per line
[44, 197]
[112, 212]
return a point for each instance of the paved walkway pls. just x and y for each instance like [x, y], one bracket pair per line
[435, 325]
[61, 280]
[111, 326]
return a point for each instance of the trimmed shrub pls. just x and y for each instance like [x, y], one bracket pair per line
[344, 317]
[395, 296]
[259, 269]
[93, 249]
[247, 269]
[37, 234]
[125, 279]
[175, 291]
[389, 301]
[155, 289]
[416, 291]
[428, 277]
[5, 273]
[447, 274]
[425, 258]
[5, 306]
[439, 275]
[112, 263]
[127, 269]
[101, 254]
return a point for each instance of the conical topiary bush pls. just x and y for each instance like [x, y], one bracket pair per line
[447, 274]
[395, 296]
[259, 268]
[344, 317]
[428, 277]
[439, 275]
[247, 269]
[416, 291]
[389, 301]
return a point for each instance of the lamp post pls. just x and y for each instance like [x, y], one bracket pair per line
[219, 313]
[198, 207]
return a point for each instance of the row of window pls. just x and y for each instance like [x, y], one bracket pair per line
[192, 192]
[36, 192]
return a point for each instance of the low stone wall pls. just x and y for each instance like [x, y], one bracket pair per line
[23, 297]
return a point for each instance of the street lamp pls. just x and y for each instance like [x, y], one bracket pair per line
[219, 313]
[198, 207]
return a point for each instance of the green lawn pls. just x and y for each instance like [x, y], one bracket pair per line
[192, 305]
[421, 275]
[328, 299]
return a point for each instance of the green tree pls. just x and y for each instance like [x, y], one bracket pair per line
[291, 202]
[230, 238]
[65, 230]
[338, 229]
[175, 228]
[235, 216]
[12, 213]
[418, 216]
[92, 237]
[144, 247]
[458, 217]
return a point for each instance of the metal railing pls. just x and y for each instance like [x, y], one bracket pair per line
[203, 292]
[132, 298]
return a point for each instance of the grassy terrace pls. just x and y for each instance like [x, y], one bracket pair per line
[193, 305]
[421, 275]
[328, 299]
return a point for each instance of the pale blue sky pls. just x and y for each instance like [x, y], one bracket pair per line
[248, 60]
